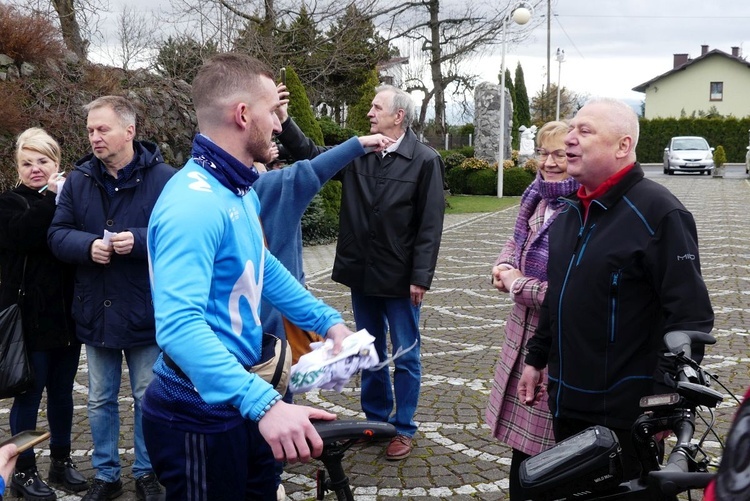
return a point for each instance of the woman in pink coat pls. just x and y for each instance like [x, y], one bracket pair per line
[521, 270]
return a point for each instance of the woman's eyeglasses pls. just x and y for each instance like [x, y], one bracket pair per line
[557, 155]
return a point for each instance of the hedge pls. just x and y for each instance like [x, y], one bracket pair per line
[731, 133]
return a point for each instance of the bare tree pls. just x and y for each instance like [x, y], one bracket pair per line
[78, 19]
[134, 40]
[71, 30]
[449, 37]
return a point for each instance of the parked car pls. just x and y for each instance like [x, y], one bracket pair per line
[688, 154]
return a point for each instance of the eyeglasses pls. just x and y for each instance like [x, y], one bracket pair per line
[557, 155]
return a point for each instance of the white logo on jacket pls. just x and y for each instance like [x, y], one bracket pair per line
[246, 287]
[200, 184]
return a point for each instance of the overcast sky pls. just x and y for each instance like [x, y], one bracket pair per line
[610, 46]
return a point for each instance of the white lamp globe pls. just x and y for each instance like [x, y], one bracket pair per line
[521, 15]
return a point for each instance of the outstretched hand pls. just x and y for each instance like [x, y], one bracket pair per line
[375, 142]
[289, 432]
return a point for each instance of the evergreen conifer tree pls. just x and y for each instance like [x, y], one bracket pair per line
[300, 108]
[357, 115]
[523, 112]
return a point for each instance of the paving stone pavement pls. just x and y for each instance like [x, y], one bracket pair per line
[462, 321]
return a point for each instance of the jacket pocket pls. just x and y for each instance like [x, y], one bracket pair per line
[83, 306]
[613, 305]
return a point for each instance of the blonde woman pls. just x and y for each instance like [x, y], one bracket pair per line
[25, 215]
[521, 270]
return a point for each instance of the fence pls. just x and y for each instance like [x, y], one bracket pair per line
[449, 142]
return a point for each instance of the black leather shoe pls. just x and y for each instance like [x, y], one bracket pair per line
[63, 472]
[102, 491]
[27, 485]
[148, 488]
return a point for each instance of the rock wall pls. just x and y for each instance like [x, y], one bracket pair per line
[487, 122]
[52, 96]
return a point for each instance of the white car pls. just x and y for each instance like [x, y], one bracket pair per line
[688, 154]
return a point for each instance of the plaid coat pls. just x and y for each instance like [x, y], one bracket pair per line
[527, 429]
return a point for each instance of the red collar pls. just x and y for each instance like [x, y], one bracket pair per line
[602, 188]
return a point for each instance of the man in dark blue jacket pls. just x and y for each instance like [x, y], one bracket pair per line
[100, 226]
[623, 271]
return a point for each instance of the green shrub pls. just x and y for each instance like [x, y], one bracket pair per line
[482, 182]
[467, 151]
[515, 181]
[300, 109]
[456, 179]
[453, 160]
[320, 222]
[531, 166]
[720, 158]
[474, 164]
[331, 194]
[333, 133]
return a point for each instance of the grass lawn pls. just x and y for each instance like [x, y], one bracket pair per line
[464, 204]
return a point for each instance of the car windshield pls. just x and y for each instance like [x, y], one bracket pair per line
[690, 143]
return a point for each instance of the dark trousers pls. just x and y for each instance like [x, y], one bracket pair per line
[235, 464]
[54, 370]
[515, 491]
[565, 428]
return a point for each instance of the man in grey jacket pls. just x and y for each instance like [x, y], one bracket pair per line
[391, 222]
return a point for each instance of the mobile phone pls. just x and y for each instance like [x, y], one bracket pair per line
[26, 439]
[282, 75]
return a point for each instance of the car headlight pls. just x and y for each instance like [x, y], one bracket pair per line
[709, 156]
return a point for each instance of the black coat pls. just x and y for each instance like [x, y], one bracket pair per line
[391, 218]
[48, 282]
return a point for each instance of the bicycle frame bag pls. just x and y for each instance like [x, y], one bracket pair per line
[585, 463]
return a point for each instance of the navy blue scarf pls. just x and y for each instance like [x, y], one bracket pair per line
[230, 172]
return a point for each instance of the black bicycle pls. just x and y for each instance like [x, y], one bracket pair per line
[588, 465]
[338, 436]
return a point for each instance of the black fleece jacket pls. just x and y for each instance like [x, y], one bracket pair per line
[618, 281]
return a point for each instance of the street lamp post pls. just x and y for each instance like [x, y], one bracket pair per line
[521, 14]
[560, 58]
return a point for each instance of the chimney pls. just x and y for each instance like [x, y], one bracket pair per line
[680, 59]
[736, 52]
[704, 50]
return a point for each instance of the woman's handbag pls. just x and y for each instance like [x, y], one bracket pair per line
[15, 370]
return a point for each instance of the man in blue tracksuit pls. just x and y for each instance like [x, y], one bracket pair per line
[623, 271]
[212, 428]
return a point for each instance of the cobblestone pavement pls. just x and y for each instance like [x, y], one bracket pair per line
[462, 320]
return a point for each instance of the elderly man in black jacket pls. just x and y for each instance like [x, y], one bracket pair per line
[391, 222]
[623, 270]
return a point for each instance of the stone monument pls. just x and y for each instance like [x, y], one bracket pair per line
[487, 122]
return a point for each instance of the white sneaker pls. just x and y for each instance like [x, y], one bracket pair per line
[280, 493]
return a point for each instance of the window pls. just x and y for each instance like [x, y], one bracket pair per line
[717, 91]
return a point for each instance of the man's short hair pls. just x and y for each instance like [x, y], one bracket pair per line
[223, 76]
[123, 108]
[624, 119]
[401, 101]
